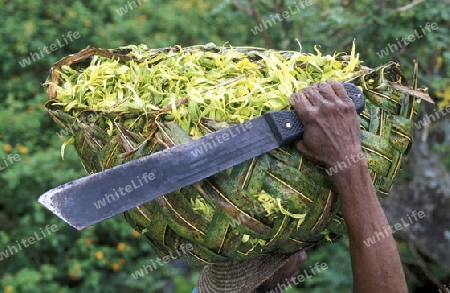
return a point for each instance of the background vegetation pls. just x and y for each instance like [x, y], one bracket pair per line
[102, 258]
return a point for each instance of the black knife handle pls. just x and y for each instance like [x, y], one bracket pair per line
[287, 126]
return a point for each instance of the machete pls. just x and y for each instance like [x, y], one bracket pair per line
[97, 197]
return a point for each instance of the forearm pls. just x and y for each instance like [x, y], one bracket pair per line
[376, 268]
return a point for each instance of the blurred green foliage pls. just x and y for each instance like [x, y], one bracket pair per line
[102, 258]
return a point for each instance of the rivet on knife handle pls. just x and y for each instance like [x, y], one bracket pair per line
[287, 126]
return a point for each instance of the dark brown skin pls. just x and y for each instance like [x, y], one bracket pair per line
[332, 134]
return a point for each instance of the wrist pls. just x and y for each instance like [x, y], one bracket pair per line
[344, 163]
[345, 157]
[354, 172]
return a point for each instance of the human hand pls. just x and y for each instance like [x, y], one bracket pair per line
[331, 123]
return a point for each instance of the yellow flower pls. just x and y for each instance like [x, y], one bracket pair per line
[98, 255]
[23, 150]
[445, 96]
[136, 233]
[72, 275]
[121, 246]
[7, 148]
[115, 267]
[8, 289]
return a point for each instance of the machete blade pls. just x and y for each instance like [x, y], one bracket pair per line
[94, 198]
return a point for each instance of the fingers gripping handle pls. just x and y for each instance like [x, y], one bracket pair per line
[356, 95]
[287, 126]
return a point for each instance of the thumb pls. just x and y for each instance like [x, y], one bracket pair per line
[302, 148]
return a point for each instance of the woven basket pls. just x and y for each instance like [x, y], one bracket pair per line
[239, 228]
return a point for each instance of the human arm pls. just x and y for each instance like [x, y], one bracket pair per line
[331, 136]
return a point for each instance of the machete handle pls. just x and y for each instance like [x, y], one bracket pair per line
[287, 126]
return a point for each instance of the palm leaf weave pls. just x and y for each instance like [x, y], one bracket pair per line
[228, 216]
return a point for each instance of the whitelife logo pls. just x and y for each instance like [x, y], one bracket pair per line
[53, 47]
[184, 249]
[392, 229]
[317, 269]
[86, 120]
[107, 198]
[217, 140]
[435, 116]
[292, 9]
[130, 4]
[411, 38]
[344, 164]
[11, 160]
[12, 249]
